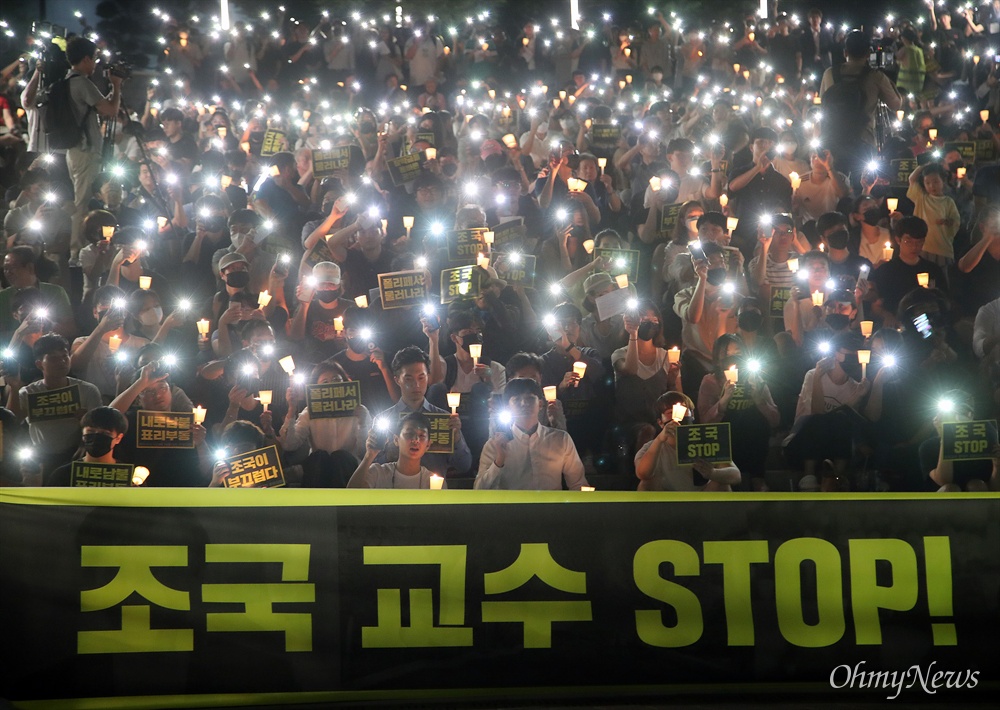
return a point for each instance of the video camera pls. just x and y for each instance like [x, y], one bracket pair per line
[881, 54]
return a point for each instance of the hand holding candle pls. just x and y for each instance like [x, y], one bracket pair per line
[866, 328]
[678, 412]
[454, 400]
[579, 369]
[287, 364]
[265, 398]
[674, 355]
[199, 414]
[550, 393]
[864, 357]
[887, 252]
[476, 351]
[732, 374]
[263, 299]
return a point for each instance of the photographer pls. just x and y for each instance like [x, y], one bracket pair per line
[84, 160]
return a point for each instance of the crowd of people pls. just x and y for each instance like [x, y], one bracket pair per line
[805, 218]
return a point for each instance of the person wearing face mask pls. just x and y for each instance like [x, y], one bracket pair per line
[756, 187]
[707, 309]
[128, 265]
[839, 312]
[801, 313]
[508, 203]
[604, 336]
[711, 228]
[898, 276]
[462, 374]
[248, 236]
[363, 260]
[938, 210]
[528, 455]
[826, 417]
[319, 305]
[832, 228]
[364, 360]
[103, 429]
[821, 188]
[656, 464]
[867, 215]
[210, 235]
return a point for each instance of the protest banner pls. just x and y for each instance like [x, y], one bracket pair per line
[465, 244]
[255, 469]
[101, 475]
[710, 442]
[460, 282]
[969, 441]
[333, 400]
[622, 261]
[400, 289]
[164, 430]
[59, 403]
[515, 268]
[327, 162]
[274, 142]
[405, 168]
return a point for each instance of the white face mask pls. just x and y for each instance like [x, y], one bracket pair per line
[151, 316]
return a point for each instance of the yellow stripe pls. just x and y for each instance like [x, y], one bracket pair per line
[302, 497]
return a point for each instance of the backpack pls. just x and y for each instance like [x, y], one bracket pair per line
[844, 115]
[58, 121]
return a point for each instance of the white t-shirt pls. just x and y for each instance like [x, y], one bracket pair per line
[465, 380]
[660, 362]
[386, 475]
[835, 395]
[873, 250]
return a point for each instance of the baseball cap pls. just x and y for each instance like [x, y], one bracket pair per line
[231, 258]
[492, 278]
[597, 281]
[488, 148]
[327, 272]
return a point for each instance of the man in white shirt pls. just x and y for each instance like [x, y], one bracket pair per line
[530, 456]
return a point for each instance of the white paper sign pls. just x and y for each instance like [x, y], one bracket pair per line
[614, 303]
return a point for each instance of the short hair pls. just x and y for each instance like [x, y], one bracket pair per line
[243, 432]
[460, 320]
[282, 160]
[78, 49]
[418, 418]
[911, 226]
[105, 418]
[521, 386]
[830, 219]
[783, 218]
[107, 294]
[814, 255]
[715, 218]
[608, 234]
[49, 343]
[410, 355]
[245, 217]
[328, 365]
[567, 310]
[253, 325]
[24, 254]
[680, 144]
[934, 169]
[667, 400]
[763, 133]
[355, 317]
[521, 360]
[856, 44]
[26, 297]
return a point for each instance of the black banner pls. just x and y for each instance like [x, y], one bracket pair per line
[255, 469]
[515, 268]
[405, 168]
[61, 403]
[899, 171]
[668, 218]
[623, 261]
[400, 289]
[465, 245]
[164, 430]
[327, 162]
[967, 149]
[121, 595]
[274, 142]
[710, 442]
[605, 135]
[460, 282]
[337, 399]
[101, 475]
[509, 233]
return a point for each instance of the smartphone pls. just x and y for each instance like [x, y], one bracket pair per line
[923, 325]
[697, 252]
[433, 321]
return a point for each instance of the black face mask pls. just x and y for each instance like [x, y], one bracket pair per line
[716, 276]
[750, 321]
[471, 339]
[838, 240]
[358, 345]
[838, 321]
[648, 330]
[590, 306]
[852, 367]
[872, 217]
[238, 279]
[97, 444]
[328, 296]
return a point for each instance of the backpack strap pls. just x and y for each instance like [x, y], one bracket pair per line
[451, 372]
[86, 114]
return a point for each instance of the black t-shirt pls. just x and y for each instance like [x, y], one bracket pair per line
[361, 275]
[851, 266]
[894, 279]
[167, 467]
[766, 193]
[964, 471]
[374, 394]
[184, 149]
[980, 286]
[321, 335]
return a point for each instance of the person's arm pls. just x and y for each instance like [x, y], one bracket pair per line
[491, 462]
[123, 402]
[741, 181]
[545, 198]
[108, 107]
[323, 228]
[30, 92]
[727, 473]
[765, 404]
[649, 230]
[624, 162]
[758, 267]
[297, 325]
[224, 345]
[645, 466]
[914, 179]
[944, 473]
[873, 408]
[438, 366]
[337, 243]
[360, 477]
[572, 469]
[112, 320]
[696, 307]
[713, 401]
[630, 366]
[818, 400]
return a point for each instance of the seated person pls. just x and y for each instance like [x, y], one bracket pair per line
[529, 455]
[411, 439]
[947, 476]
[335, 443]
[656, 462]
[895, 278]
[530, 365]
[93, 357]
[239, 437]
[103, 430]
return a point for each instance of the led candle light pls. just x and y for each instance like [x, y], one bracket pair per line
[960, 173]
[602, 163]
[654, 183]
[454, 399]
[892, 203]
[436, 482]
[362, 301]
[793, 265]
[864, 357]
[817, 297]
[223, 132]
[732, 223]
[628, 78]
[408, 225]
[145, 282]
[265, 398]
[510, 141]
[488, 238]
[287, 364]
[795, 180]
[199, 414]
[723, 200]
[139, 475]
[887, 252]
[678, 412]
[338, 325]
[732, 374]
[482, 260]
[579, 369]
[476, 351]
[107, 232]
[114, 342]
[203, 326]
[900, 115]
[923, 279]
[431, 153]
[550, 393]
[674, 355]
[866, 328]
[932, 133]
[263, 299]
[588, 246]
[161, 222]
[984, 115]
[622, 280]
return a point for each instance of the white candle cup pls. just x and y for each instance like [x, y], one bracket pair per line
[732, 223]
[263, 299]
[732, 374]
[817, 298]
[145, 282]
[361, 301]
[265, 398]
[436, 482]
[550, 393]
[864, 356]
[579, 369]
[338, 324]
[287, 364]
[587, 489]
[678, 412]
[923, 279]
[588, 246]
[674, 355]
[476, 351]
[107, 232]
[139, 475]
[622, 280]
[454, 400]
[892, 203]
[793, 265]
[866, 328]
[199, 414]
[114, 342]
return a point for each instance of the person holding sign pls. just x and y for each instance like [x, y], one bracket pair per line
[53, 405]
[656, 462]
[411, 438]
[238, 438]
[335, 443]
[103, 429]
[966, 458]
[319, 306]
[604, 336]
[361, 264]
[528, 456]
